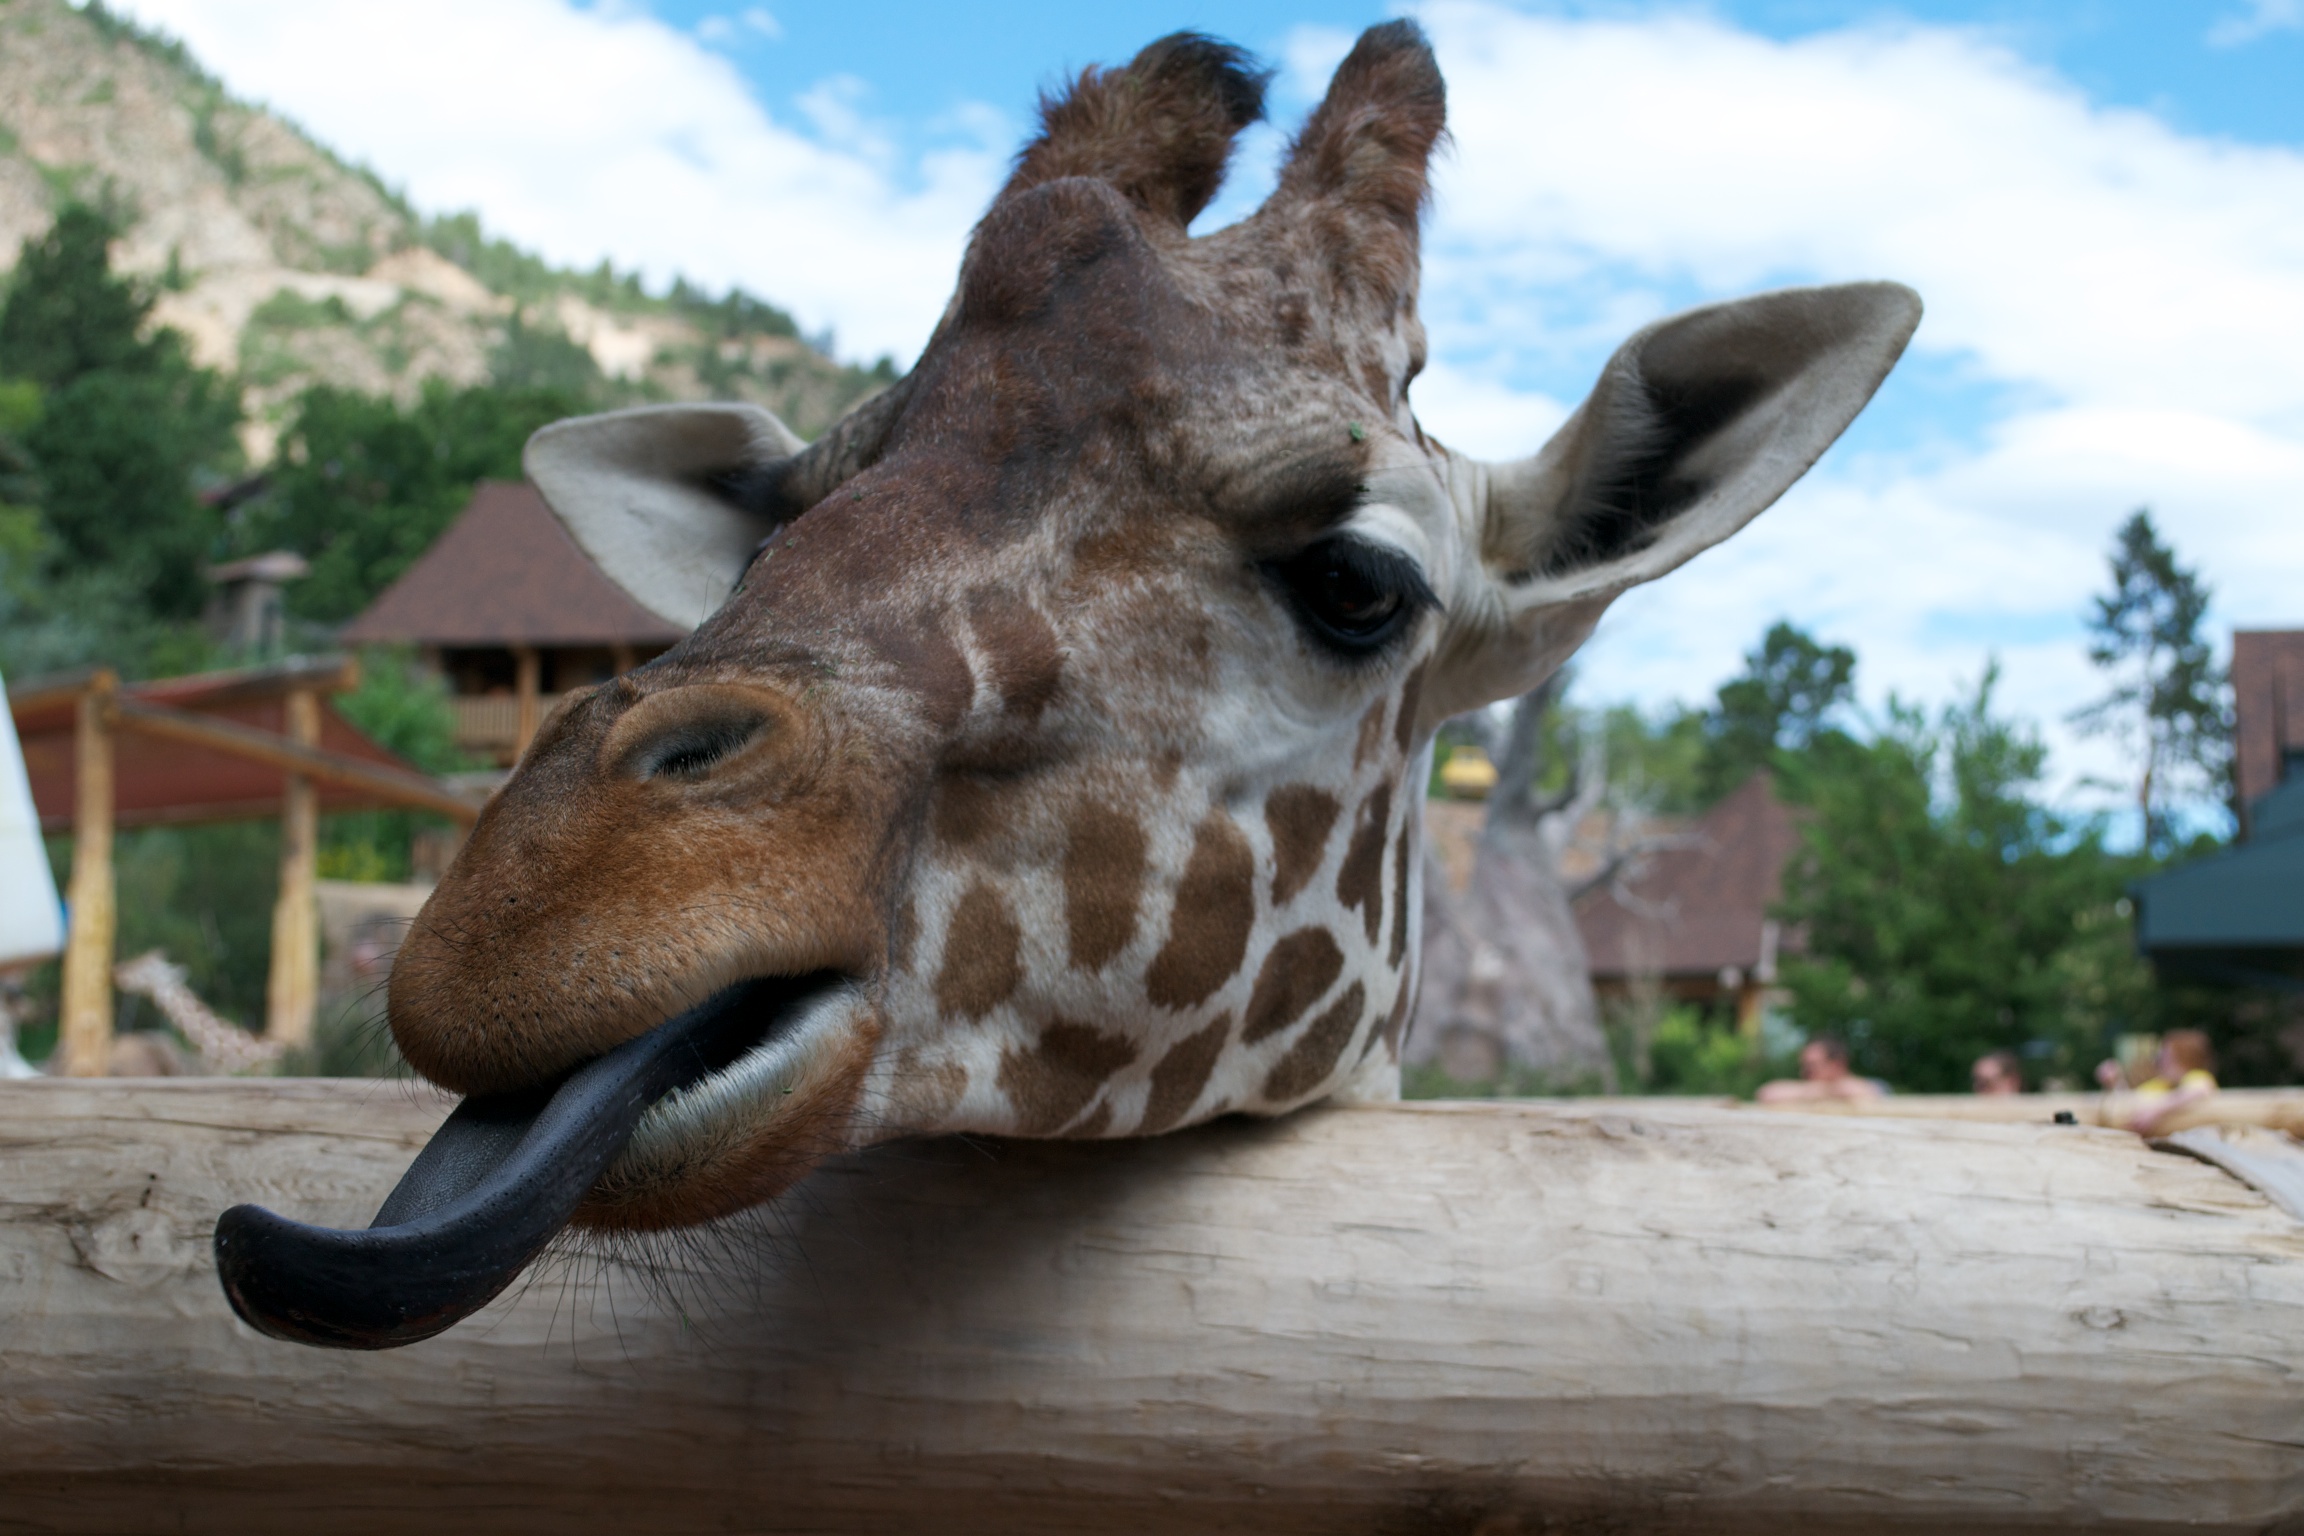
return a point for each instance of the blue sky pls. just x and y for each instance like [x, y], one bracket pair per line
[922, 60]
[2102, 202]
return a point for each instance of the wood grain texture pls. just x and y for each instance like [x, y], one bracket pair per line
[2271, 1109]
[1488, 1318]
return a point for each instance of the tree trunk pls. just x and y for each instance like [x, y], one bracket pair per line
[1506, 990]
[1497, 1318]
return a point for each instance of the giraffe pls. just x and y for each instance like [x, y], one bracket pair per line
[1054, 729]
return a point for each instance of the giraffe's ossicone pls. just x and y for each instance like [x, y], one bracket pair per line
[1055, 727]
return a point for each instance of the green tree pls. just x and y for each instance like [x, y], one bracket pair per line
[545, 357]
[1947, 913]
[124, 426]
[364, 486]
[1781, 701]
[67, 315]
[2166, 704]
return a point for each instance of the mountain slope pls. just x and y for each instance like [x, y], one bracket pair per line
[281, 262]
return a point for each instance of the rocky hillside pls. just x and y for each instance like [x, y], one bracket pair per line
[284, 264]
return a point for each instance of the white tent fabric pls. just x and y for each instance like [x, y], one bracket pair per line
[31, 918]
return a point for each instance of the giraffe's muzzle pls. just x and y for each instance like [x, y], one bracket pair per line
[496, 1183]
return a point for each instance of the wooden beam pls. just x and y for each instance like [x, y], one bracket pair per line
[528, 687]
[84, 1018]
[1488, 1318]
[386, 783]
[322, 674]
[292, 992]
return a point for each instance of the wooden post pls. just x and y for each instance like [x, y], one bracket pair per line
[292, 996]
[620, 659]
[529, 686]
[84, 1038]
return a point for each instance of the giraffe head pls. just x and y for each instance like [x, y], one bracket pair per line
[1063, 712]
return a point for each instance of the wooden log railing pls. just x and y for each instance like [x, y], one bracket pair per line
[1480, 1318]
[2271, 1109]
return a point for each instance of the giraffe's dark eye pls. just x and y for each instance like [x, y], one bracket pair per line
[1354, 596]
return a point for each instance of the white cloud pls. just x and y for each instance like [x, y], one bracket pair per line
[2135, 293]
[2259, 18]
[602, 132]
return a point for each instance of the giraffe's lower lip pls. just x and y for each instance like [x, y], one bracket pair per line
[497, 1181]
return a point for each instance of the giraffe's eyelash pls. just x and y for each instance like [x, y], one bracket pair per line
[1352, 595]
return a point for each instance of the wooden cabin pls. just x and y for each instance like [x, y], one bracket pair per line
[1694, 919]
[513, 615]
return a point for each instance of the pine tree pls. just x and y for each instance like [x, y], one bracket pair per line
[123, 424]
[1781, 702]
[2166, 703]
[67, 315]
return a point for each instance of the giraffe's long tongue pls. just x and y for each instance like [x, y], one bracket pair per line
[497, 1181]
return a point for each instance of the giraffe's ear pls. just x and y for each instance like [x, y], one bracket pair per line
[665, 497]
[1698, 423]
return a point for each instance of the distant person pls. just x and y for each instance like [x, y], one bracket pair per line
[2183, 1074]
[1996, 1074]
[1824, 1076]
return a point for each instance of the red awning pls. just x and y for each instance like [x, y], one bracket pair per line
[157, 781]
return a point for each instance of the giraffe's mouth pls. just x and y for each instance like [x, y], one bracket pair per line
[495, 1184]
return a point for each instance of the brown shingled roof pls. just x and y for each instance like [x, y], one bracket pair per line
[2267, 707]
[506, 573]
[1701, 907]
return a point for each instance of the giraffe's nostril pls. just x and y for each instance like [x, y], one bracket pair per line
[692, 732]
[693, 748]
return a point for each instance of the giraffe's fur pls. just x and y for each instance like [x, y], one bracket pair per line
[1016, 723]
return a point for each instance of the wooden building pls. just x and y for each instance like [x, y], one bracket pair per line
[2267, 713]
[1695, 919]
[2238, 915]
[513, 615]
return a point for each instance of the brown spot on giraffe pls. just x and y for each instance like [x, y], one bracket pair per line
[1371, 732]
[1104, 866]
[1313, 1058]
[1049, 1086]
[1403, 852]
[932, 669]
[1098, 1122]
[1297, 971]
[1299, 818]
[1360, 881]
[904, 932]
[1027, 662]
[1397, 1019]
[1411, 700]
[981, 965]
[925, 1089]
[970, 809]
[1214, 914]
[1181, 1074]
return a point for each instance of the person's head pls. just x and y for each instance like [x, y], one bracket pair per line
[2185, 1050]
[1824, 1059]
[1998, 1072]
